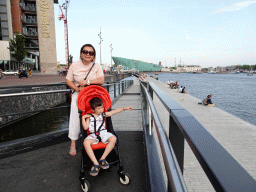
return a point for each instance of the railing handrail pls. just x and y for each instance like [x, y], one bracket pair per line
[225, 174]
[174, 175]
[34, 93]
[53, 91]
[50, 84]
[45, 92]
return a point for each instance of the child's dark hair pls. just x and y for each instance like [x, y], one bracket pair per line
[95, 102]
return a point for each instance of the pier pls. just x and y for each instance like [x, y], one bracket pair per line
[152, 166]
[234, 134]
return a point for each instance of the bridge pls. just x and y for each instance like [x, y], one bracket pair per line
[167, 143]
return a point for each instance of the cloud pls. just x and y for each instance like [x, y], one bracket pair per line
[234, 7]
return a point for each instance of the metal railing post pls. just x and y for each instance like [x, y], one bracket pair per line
[119, 87]
[177, 140]
[114, 90]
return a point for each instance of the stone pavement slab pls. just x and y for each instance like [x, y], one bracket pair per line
[52, 169]
[129, 120]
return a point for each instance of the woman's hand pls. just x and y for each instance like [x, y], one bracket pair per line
[80, 88]
[82, 83]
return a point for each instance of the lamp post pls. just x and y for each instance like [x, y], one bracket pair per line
[111, 49]
[100, 43]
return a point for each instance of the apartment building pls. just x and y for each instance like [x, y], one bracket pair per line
[34, 19]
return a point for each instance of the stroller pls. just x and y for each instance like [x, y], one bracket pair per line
[114, 157]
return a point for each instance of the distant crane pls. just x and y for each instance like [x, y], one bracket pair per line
[64, 17]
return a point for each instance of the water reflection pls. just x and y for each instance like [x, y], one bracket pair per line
[39, 123]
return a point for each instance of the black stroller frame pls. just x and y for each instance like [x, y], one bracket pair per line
[113, 158]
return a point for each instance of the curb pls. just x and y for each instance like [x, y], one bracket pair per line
[28, 144]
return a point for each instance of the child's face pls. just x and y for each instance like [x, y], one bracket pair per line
[99, 110]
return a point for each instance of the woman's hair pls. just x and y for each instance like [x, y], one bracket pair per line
[88, 45]
[95, 102]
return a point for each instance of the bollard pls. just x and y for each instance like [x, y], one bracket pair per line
[108, 86]
[114, 90]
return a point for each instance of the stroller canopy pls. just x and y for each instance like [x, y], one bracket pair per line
[90, 92]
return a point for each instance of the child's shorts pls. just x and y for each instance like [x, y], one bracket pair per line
[104, 135]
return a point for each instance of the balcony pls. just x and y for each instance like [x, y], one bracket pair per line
[31, 46]
[27, 7]
[30, 33]
[29, 21]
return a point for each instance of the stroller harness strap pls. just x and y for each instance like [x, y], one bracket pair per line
[97, 132]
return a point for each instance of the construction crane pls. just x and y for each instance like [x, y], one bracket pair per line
[63, 17]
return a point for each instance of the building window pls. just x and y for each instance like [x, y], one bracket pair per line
[1, 37]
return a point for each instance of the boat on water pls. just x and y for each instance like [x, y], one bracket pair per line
[250, 73]
[212, 72]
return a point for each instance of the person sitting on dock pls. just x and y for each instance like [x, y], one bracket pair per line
[208, 101]
[142, 77]
[180, 89]
[98, 132]
[183, 90]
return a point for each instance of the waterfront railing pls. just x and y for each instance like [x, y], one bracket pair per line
[114, 88]
[222, 170]
[175, 180]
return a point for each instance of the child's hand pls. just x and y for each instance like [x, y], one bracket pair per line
[86, 116]
[128, 108]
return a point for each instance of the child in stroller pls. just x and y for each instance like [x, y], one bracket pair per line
[113, 158]
[94, 122]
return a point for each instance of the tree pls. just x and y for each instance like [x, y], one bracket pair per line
[17, 47]
[70, 60]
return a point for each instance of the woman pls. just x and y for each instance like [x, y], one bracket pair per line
[75, 80]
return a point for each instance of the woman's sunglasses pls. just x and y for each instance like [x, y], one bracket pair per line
[91, 53]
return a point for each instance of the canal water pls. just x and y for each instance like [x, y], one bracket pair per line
[43, 122]
[234, 93]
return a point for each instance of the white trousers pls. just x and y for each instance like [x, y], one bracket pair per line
[74, 122]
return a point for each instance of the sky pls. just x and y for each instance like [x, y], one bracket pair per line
[189, 32]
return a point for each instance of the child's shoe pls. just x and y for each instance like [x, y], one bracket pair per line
[104, 164]
[94, 170]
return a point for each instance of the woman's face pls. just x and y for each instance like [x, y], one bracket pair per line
[87, 54]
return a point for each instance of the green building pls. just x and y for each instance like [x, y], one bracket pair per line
[140, 65]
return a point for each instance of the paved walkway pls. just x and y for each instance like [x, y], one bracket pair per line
[237, 136]
[52, 169]
[36, 79]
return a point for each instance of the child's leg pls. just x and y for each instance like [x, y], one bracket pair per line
[89, 151]
[110, 146]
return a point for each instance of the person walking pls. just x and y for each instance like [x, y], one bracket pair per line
[75, 79]
[30, 71]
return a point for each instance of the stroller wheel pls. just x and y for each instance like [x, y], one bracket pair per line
[126, 179]
[86, 186]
